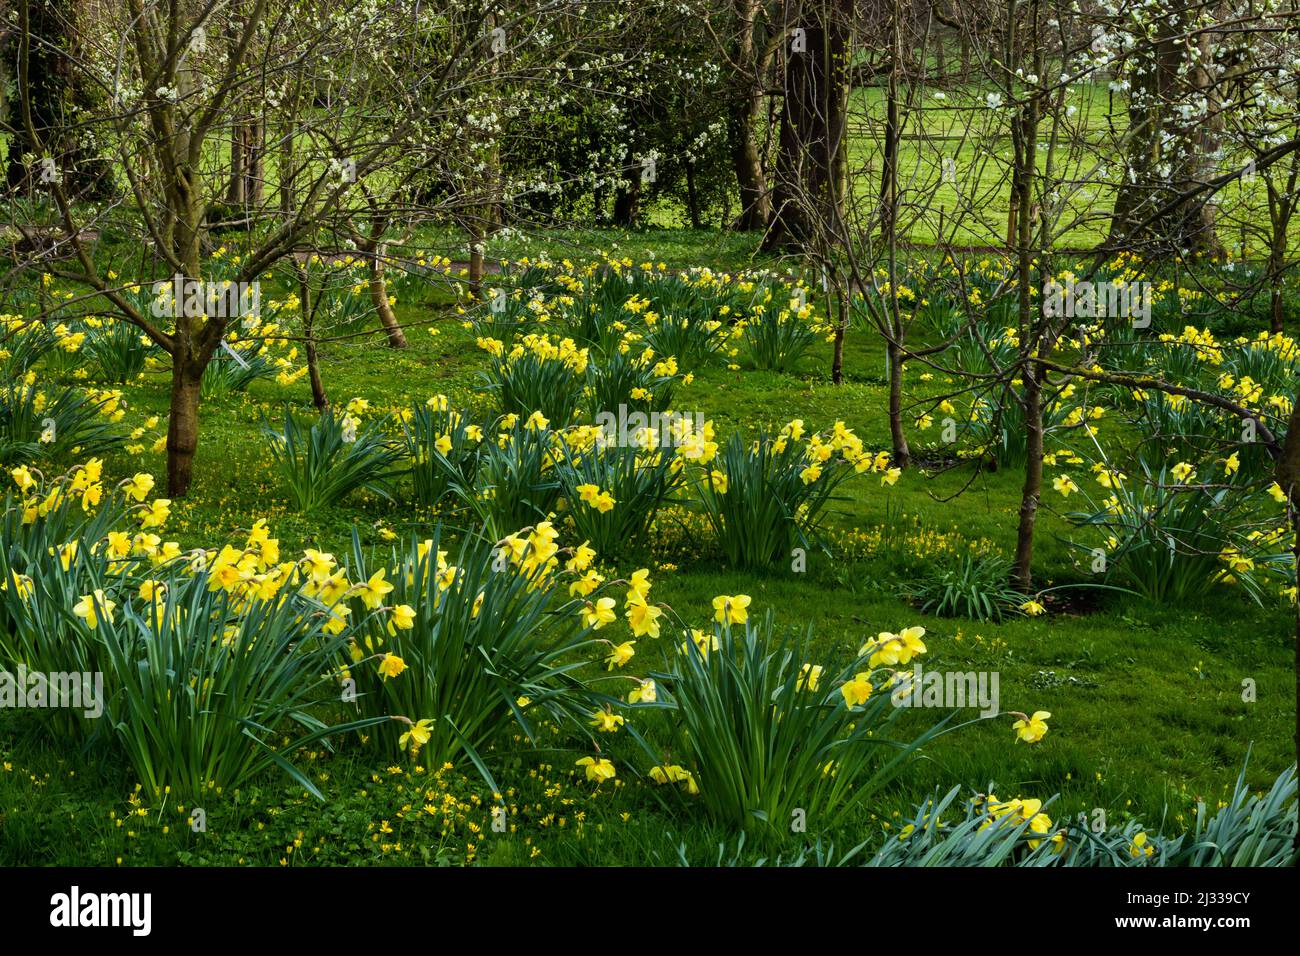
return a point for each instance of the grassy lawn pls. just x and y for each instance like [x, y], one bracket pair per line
[1146, 700]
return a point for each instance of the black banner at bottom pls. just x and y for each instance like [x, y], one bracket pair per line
[335, 905]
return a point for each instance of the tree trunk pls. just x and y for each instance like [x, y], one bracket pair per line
[1276, 279]
[902, 455]
[375, 251]
[476, 266]
[379, 297]
[183, 422]
[692, 197]
[811, 157]
[287, 156]
[235, 194]
[1032, 488]
[254, 162]
[1167, 153]
[1013, 226]
[1032, 332]
[745, 117]
[889, 173]
[319, 397]
[751, 182]
[627, 201]
[841, 323]
[1281, 210]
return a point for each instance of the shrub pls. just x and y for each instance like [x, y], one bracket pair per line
[1173, 426]
[687, 337]
[639, 383]
[1249, 830]
[1169, 536]
[997, 422]
[35, 424]
[43, 512]
[613, 493]
[764, 497]
[339, 295]
[63, 359]
[508, 314]
[777, 332]
[211, 687]
[442, 446]
[537, 375]
[213, 667]
[976, 586]
[48, 529]
[517, 486]
[227, 373]
[118, 348]
[685, 314]
[23, 343]
[487, 646]
[604, 306]
[768, 732]
[322, 465]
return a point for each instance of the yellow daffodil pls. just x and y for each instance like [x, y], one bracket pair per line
[598, 769]
[91, 606]
[731, 609]
[597, 615]
[1032, 729]
[390, 665]
[857, 690]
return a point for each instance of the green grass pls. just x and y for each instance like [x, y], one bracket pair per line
[1146, 701]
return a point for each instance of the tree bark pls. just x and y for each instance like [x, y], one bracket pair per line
[841, 323]
[286, 156]
[254, 163]
[1032, 488]
[1025, 169]
[812, 153]
[476, 264]
[1281, 210]
[692, 197]
[627, 201]
[889, 173]
[751, 181]
[902, 455]
[374, 250]
[183, 422]
[745, 117]
[1276, 266]
[235, 195]
[319, 397]
[1168, 154]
